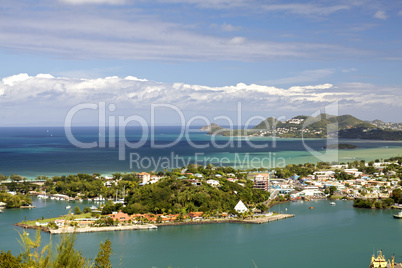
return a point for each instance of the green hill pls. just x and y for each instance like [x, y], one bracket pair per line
[320, 126]
[269, 123]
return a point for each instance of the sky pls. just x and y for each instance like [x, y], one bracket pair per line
[170, 62]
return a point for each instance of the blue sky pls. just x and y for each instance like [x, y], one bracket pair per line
[278, 58]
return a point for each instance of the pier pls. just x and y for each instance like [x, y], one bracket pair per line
[265, 219]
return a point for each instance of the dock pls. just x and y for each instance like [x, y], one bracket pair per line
[265, 219]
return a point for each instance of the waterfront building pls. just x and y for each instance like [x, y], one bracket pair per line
[261, 181]
[120, 216]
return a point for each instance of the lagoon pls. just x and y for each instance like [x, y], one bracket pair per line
[325, 236]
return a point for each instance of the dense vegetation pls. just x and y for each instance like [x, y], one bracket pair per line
[88, 186]
[15, 201]
[340, 146]
[180, 196]
[370, 134]
[373, 203]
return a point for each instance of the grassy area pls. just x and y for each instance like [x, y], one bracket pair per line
[33, 222]
[336, 196]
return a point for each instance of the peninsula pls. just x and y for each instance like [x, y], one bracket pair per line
[321, 126]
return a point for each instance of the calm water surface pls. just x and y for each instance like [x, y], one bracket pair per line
[326, 236]
[47, 151]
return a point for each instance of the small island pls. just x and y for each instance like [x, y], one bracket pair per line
[341, 146]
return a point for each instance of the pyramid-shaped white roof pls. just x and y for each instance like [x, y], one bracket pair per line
[240, 207]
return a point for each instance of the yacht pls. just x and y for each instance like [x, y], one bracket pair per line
[68, 207]
[332, 203]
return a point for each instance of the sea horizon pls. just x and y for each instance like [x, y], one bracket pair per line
[35, 151]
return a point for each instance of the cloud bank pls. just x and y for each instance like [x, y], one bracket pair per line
[43, 95]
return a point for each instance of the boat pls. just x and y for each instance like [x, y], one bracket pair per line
[332, 203]
[68, 207]
[399, 215]
[93, 208]
[310, 207]
[1, 211]
[381, 262]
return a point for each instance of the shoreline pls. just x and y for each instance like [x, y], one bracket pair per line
[70, 229]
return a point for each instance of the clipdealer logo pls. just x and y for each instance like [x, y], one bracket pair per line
[112, 134]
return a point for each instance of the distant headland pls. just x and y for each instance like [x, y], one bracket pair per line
[321, 126]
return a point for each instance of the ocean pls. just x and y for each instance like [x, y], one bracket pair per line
[34, 151]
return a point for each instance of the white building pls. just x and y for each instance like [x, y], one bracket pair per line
[213, 182]
[240, 207]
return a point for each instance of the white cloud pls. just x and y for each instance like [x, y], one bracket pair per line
[349, 70]
[381, 14]
[228, 27]
[305, 9]
[237, 40]
[304, 77]
[83, 2]
[86, 37]
[219, 4]
[133, 35]
[134, 95]
[12, 80]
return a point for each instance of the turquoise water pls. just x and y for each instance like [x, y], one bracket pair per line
[326, 236]
[47, 151]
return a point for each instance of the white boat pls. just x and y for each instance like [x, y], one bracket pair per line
[98, 199]
[332, 203]
[1, 211]
[80, 200]
[399, 215]
[68, 207]
[93, 208]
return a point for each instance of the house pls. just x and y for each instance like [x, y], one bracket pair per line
[323, 175]
[213, 183]
[198, 175]
[109, 183]
[154, 179]
[195, 215]
[120, 216]
[60, 222]
[339, 166]
[353, 171]
[194, 182]
[144, 177]
[240, 207]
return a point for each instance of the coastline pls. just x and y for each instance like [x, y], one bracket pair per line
[87, 229]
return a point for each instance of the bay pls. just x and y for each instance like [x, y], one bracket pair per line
[326, 236]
